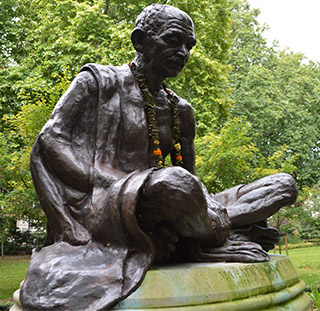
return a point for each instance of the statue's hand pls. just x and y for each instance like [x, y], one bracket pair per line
[259, 233]
[267, 237]
[165, 239]
[236, 251]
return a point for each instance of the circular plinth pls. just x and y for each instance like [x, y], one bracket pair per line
[273, 285]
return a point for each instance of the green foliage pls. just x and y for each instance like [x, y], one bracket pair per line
[225, 160]
[65, 35]
[37, 107]
[278, 93]
[6, 306]
[231, 158]
[301, 220]
[14, 180]
[315, 295]
[12, 36]
[18, 243]
[59, 37]
[45, 43]
[303, 244]
[17, 197]
[308, 220]
[281, 160]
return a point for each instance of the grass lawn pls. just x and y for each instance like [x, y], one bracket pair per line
[307, 260]
[12, 272]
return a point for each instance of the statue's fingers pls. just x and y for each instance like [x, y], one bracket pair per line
[273, 232]
[169, 247]
[173, 238]
[163, 232]
[167, 233]
[267, 246]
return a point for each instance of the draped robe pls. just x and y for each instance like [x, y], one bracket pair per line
[89, 164]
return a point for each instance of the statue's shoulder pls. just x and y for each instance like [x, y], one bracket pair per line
[107, 74]
[183, 105]
[187, 119]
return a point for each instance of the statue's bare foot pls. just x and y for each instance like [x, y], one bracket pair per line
[165, 239]
[259, 233]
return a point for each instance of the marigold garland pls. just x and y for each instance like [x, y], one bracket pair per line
[150, 108]
[176, 126]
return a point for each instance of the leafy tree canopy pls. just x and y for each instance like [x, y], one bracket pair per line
[256, 107]
[43, 45]
[279, 94]
[231, 158]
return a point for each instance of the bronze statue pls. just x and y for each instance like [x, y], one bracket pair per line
[113, 209]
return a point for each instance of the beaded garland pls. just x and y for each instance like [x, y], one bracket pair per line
[150, 108]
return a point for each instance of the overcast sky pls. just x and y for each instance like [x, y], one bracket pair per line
[294, 23]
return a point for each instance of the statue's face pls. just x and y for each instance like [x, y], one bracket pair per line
[168, 51]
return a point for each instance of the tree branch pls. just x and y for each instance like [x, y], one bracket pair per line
[106, 7]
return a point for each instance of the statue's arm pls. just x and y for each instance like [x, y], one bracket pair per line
[58, 142]
[187, 131]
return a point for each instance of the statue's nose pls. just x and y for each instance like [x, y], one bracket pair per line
[183, 52]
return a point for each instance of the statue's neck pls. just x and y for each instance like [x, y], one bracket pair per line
[153, 81]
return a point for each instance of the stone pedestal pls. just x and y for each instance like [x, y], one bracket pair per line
[272, 286]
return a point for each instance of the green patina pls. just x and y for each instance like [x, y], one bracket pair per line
[274, 285]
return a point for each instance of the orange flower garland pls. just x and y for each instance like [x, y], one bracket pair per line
[152, 122]
[176, 126]
[157, 152]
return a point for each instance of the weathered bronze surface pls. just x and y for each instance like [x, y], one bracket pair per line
[111, 213]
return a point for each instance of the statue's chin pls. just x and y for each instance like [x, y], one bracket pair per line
[170, 71]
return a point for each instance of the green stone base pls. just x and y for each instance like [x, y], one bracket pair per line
[273, 285]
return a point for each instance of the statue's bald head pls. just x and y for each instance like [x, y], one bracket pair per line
[154, 16]
[163, 37]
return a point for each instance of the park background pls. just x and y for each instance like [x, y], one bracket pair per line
[256, 105]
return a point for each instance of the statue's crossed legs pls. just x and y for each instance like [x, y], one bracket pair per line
[228, 225]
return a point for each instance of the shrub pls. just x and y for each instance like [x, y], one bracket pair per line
[5, 306]
[315, 295]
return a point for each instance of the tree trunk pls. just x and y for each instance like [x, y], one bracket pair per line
[2, 254]
[106, 7]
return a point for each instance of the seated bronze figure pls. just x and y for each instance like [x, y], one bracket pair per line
[113, 209]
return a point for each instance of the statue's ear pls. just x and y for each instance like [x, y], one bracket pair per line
[137, 38]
